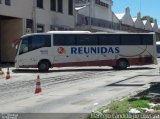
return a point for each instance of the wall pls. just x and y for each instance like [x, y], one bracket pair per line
[139, 24]
[127, 20]
[148, 26]
[47, 17]
[96, 11]
[10, 30]
[18, 8]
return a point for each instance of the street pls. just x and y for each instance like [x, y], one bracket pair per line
[71, 90]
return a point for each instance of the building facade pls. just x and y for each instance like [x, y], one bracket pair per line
[155, 26]
[147, 25]
[125, 18]
[97, 15]
[18, 17]
[138, 22]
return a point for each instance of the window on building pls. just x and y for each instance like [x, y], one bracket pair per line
[70, 7]
[29, 25]
[53, 5]
[100, 2]
[0, 1]
[7, 2]
[40, 28]
[60, 5]
[40, 3]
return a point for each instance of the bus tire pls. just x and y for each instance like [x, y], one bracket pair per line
[122, 64]
[114, 67]
[43, 66]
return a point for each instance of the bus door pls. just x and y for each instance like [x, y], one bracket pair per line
[25, 57]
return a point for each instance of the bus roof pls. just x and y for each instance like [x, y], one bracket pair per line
[67, 32]
[80, 32]
[158, 42]
[123, 33]
[58, 32]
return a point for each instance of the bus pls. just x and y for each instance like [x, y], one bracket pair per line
[158, 48]
[84, 48]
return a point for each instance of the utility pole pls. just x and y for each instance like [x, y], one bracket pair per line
[34, 16]
[90, 14]
[140, 5]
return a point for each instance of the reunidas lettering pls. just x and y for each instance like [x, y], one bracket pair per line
[94, 50]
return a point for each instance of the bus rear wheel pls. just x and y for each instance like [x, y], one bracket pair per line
[122, 64]
[43, 66]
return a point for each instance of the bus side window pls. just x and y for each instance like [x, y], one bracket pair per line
[147, 39]
[86, 39]
[64, 40]
[158, 48]
[39, 41]
[109, 39]
[24, 46]
[58, 40]
[132, 39]
[70, 40]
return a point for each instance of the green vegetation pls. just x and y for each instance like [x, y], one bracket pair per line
[122, 107]
[125, 105]
[149, 18]
[156, 107]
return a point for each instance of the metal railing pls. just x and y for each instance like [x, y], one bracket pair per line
[89, 21]
[85, 20]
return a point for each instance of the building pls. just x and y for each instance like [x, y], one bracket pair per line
[125, 18]
[155, 26]
[95, 15]
[147, 25]
[127, 23]
[18, 17]
[54, 15]
[138, 22]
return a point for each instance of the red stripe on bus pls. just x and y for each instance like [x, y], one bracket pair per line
[87, 63]
[132, 61]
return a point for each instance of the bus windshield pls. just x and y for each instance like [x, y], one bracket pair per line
[31, 43]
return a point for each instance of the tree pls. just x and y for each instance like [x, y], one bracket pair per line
[149, 18]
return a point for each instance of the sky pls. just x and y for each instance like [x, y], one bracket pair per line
[146, 7]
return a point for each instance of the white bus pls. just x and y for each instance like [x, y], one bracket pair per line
[158, 48]
[83, 48]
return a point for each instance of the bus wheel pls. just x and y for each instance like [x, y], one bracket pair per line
[43, 66]
[115, 67]
[122, 64]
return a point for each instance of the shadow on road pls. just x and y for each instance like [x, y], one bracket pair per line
[77, 70]
[140, 68]
[127, 85]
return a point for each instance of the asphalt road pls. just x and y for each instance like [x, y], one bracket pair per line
[71, 90]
